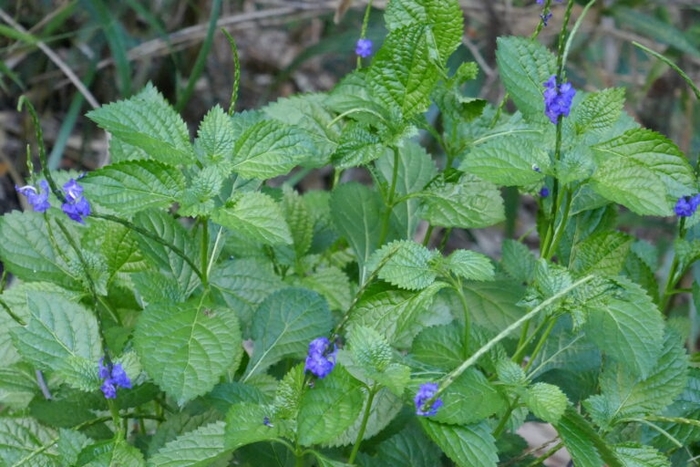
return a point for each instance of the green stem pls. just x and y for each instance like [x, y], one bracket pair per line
[457, 285]
[504, 421]
[454, 374]
[540, 343]
[236, 71]
[673, 275]
[546, 455]
[363, 425]
[363, 31]
[386, 221]
[204, 252]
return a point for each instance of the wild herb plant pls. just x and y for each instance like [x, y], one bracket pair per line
[178, 310]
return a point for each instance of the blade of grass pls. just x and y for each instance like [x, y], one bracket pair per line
[116, 40]
[670, 63]
[201, 60]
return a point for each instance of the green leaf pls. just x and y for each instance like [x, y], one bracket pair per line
[198, 448]
[179, 424]
[358, 146]
[443, 20]
[518, 261]
[284, 324]
[198, 198]
[356, 212]
[243, 284]
[629, 329]
[269, 148]
[405, 264]
[471, 203]
[584, 444]
[289, 393]
[642, 170]
[111, 453]
[186, 347]
[119, 246]
[255, 216]
[329, 408]
[635, 455]
[245, 425]
[510, 160]
[598, 111]
[333, 284]
[410, 446]
[403, 74]
[27, 251]
[17, 386]
[59, 334]
[494, 305]
[215, 137]
[299, 220]
[470, 265]
[131, 186]
[467, 446]
[370, 350]
[624, 395]
[25, 443]
[70, 444]
[603, 254]
[441, 347]
[470, 398]
[524, 66]
[546, 401]
[148, 122]
[398, 315]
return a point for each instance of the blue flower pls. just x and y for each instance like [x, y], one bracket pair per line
[687, 205]
[321, 359]
[424, 394]
[114, 376]
[39, 199]
[363, 48]
[76, 206]
[544, 192]
[546, 17]
[557, 99]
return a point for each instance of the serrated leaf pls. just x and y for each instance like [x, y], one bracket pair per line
[69, 445]
[186, 347]
[441, 347]
[179, 424]
[469, 399]
[58, 334]
[215, 136]
[518, 261]
[171, 231]
[470, 265]
[629, 329]
[642, 170]
[111, 453]
[494, 305]
[410, 446]
[333, 284]
[398, 315]
[289, 392]
[25, 443]
[148, 122]
[284, 324]
[370, 350]
[403, 74]
[524, 66]
[119, 246]
[508, 161]
[330, 407]
[405, 264]
[546, 401]
[471, 203]
[625, 395]
[603, 254]
[198, 448]
[356, 212]
[255, 216]
[357, 146]
[635, 455]
[598, 111]
[467, 446]
[27, 251]
[269, 148]
[198, 198]
[584, 444]
[132, 186]
[443, 19]
[17, 386]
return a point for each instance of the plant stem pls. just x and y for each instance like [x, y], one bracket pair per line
[386, 221]
[363, 425]
[204, 251]
[540, 343]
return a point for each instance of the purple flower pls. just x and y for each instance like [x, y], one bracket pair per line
[321, 359]
[39, 199]
[687, 205]
[363, 48]
[76, 206]
[114, 376]
[557, 99]
[424, 394]
[544, 192]
[546, 17]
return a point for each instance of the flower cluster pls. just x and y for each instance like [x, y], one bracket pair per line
[321, 358]
[114, 376]
[687, 205]
[39, 199]
[363, 48]
[424, 394]
[557, 99]
[76, 206]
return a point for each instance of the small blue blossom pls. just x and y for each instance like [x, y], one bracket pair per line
[687, 205]
[76, 206]
[546, 17]
[321, 359]
[424, 394]
[557, 99]
[363, 48]
[39, 199]
[544, 192]
[114, 376]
